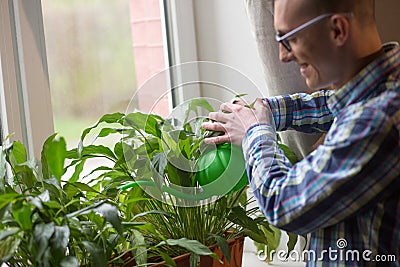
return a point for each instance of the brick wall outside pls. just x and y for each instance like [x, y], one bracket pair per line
[148, 53]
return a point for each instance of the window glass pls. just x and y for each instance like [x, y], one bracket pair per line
[99, 53]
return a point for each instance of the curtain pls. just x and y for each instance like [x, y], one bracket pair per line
[281, 78]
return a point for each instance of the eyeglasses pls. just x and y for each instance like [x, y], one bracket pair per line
[284, 38]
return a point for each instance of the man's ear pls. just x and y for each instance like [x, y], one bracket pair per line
[340, 28]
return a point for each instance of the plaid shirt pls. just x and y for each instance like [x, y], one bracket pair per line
[346, 193]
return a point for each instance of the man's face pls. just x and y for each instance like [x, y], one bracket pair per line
[311, 48]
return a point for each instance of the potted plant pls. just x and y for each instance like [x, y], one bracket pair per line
[162, 154]
[63, 213]
[49, 222]
[50, 218]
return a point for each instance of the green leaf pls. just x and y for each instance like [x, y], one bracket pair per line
[159, 162]
[271, 240]
[8, 232]
[152, 145]
[60, 238]
[105, 171]
[110, 213]
[97, 150]
[42, 234]
[44, 196]
[140, 251]
[251, 105]
[119, 149]
[54, 205]
[107, 118]
[3, 169]
[5, 199]
[256, 237]
[140, 226]
[22, 215]
[59, 242]
[78, 171]
[82, 187]
[168, 143]
[53, 157]
[69, 261]
[25, 174]
[277, 238]
[36, 202]
[191, 245]
[23, 170]
[85, 210]
[73, 154]
[239, 215]
[158, 212]
[194, 104]
[106, 132]
[168, 260]
[8, 247]
[53, 186]
[194, 260]
[289, 153]
[97, 255]
[146, 122]
[292, 241]
[240, 95]
[223, 246]
[18, 153]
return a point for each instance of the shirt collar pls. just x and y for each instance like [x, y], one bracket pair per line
[364, 84]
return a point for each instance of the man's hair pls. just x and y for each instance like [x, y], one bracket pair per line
[359, 7]
[362, 9]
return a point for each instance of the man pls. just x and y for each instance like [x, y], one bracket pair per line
[346, 192]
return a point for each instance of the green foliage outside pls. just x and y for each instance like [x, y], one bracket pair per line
[90, 61]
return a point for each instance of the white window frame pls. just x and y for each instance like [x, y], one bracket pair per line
[25, 100]
[25, 91]
[181, 44]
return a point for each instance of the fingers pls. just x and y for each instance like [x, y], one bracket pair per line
[213, 126]
[216, 127]
[232, 121]
[219, 116]
[218, 139]
[231, 107]
[226, 107]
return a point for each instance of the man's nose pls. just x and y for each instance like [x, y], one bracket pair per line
[284, 54]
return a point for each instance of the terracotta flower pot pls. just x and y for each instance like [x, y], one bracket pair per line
[236, 246]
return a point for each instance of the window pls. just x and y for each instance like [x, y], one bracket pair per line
[26, 109]
[25, 98]
[99, 53]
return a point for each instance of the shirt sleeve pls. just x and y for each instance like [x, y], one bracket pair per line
[308, 113]
[356, 166]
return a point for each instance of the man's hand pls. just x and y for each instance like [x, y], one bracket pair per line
[234, 119]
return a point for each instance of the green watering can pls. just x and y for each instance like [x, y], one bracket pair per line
[218, 170]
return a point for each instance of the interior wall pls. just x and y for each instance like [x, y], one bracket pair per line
[388, 19]
[223, 35]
